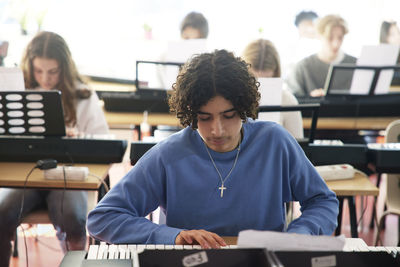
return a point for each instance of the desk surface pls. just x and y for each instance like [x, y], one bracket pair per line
[358, 186]
[128, 119]
[13, 174]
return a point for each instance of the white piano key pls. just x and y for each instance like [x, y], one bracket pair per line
[132, 250]
[92, 253]
[169, 247]
[103, 251]
[112, 252]
[160, 246]
[178, 247]
[233, 246]
[372, 248]
[196, 247]
[150, 246]
[187, 246]
[123, 252]
[140, 248]
[135, 258]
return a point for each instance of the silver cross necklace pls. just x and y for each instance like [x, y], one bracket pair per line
[222, 187]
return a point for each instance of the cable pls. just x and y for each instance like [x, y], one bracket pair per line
[101, 180]
[21, 209]
[42, 164]
[62, 208]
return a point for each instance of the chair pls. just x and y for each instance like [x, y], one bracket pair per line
[393, 182]
[41, 216]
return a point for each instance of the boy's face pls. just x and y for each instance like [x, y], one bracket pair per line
[219, 125]
[331, 44]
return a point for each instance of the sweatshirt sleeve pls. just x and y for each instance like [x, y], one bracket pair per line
[120, 215]
[319, 205]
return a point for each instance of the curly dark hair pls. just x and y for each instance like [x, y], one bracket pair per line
[208, 75]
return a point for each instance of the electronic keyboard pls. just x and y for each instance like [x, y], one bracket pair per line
[355, 253]
[62, 149]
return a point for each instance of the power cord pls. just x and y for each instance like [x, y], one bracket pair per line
[101, 180]
[43, 164]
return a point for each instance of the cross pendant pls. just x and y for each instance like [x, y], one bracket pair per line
[222, 188]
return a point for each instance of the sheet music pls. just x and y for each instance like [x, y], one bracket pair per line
[11, 79]
[374, 55]
[271, 94]
[290, 241]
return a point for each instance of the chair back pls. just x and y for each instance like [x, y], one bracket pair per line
[393, 180]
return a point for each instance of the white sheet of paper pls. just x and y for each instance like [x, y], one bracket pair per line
[271, 95]
[11, 79]
[374, 55]
[289, 241]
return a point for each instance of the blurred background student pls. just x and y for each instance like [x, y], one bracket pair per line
[47, 65]
[309, 75]
[390, 34]
[194, 26]
[265, 63]
[304, 44]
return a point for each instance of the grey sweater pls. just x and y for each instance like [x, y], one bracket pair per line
[310, 73]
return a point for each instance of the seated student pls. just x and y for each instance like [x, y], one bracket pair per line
[264, 63]
[221, 174]
[47, 65]
[309, 75]
[194, 26]
[390, 34]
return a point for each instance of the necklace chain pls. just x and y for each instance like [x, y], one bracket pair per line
[222, 187]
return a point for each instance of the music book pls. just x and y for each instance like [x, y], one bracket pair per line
[374, 55]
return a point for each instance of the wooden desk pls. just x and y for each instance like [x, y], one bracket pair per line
[129, 119]
[363, 123]
[13, 174]
[126, 120]
[360, 185]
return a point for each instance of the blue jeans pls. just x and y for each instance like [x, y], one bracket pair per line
[70, 224]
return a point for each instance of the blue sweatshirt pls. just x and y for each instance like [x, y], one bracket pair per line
[178, 175]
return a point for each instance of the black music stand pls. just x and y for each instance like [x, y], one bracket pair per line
[376, 69]
[301, 107]
[31, 112]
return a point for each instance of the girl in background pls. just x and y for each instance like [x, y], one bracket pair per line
[265, 63]
[47, 65]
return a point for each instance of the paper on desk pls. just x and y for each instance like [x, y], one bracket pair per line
[289, 241]
[271, 95]
[11, 79]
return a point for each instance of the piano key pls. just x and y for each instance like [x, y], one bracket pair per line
[103, 251]
[169, 247]
[150, 246]
[196, 247]
[140, 248]
[92, 253]
[113, 252]
[160, 246]
[178, 247]
[123, 252]
[187, 246]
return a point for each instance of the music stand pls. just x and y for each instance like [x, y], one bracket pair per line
[31, 112]
[376, 69]
[301, 107]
